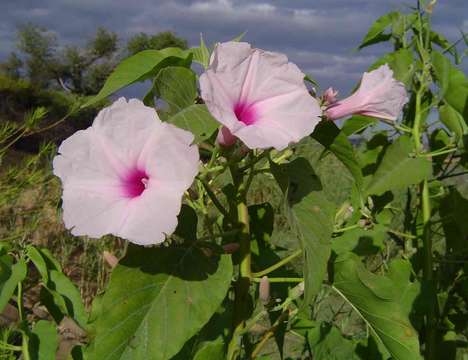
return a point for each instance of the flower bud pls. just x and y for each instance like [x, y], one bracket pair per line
[379, 95]
[225, 137]
[264, 290]
[329, 96]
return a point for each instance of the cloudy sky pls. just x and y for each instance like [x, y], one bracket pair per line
[319, 35]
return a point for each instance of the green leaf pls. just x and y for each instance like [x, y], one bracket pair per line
[201, 54]
[38, 260]
[70, 293]
[211, 350]
[43, 341]
[334, 140]
[360, 241]
[452, 82]
[239, 37]
[177, 86]
[399, 271]
[140, 67]
[10, 276]
[61, 296]
[453, 120]
[327, 343]
[401, 62]
[357, 124]
[159, 298]
[376, 30]
[399, 169]
[196, 119]
[381, 302]
[311, 215]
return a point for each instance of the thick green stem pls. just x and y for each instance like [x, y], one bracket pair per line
[244, 250]
[431, 323]
[242, 286]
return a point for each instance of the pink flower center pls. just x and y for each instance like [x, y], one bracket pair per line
[135, 183]
[245, 113]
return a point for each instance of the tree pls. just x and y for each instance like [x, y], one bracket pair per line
[142, 41]
[83, 70]
[77, 69]
[12, 66]
[39, 47]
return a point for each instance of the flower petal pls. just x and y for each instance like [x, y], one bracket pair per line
[152, 216]
[127, 147]
[268, 89]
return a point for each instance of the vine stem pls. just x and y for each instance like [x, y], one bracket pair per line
[278, 264]
[242, 286]
[428, 271]
[24, 341]
[280, 280]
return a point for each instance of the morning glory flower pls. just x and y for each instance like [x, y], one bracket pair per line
[126, 174]
[258, 96]
[379, 95]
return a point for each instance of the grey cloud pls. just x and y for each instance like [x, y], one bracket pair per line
[318, 35]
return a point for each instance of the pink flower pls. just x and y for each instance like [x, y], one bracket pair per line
[329, 96]
[258, 96]
[379, 95]
[126, 174]
[225, 137]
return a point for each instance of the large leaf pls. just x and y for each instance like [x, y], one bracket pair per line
[157, 299]
[453, 120]
[211, 350]
[311, 215]
[383, 302]
[399, 168]
[196, 119]
[401, 62]
[362, 242]
[140, 67]
[375, 33]
[330, 136]
[43, 341]
[10, 276]
[177, 86]
[327, 343]
[357, 124]
[452, 82]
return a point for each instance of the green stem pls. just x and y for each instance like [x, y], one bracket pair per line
[417, 122]
[20, 301]
[242, 286]
[280, 280]
[9, 347]
[213, 198]
[347, 228]
[245, 253]
[278, 264]
[431, 324]
[401, 234]
[24, 337]
[438, 153]
[282, 318]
